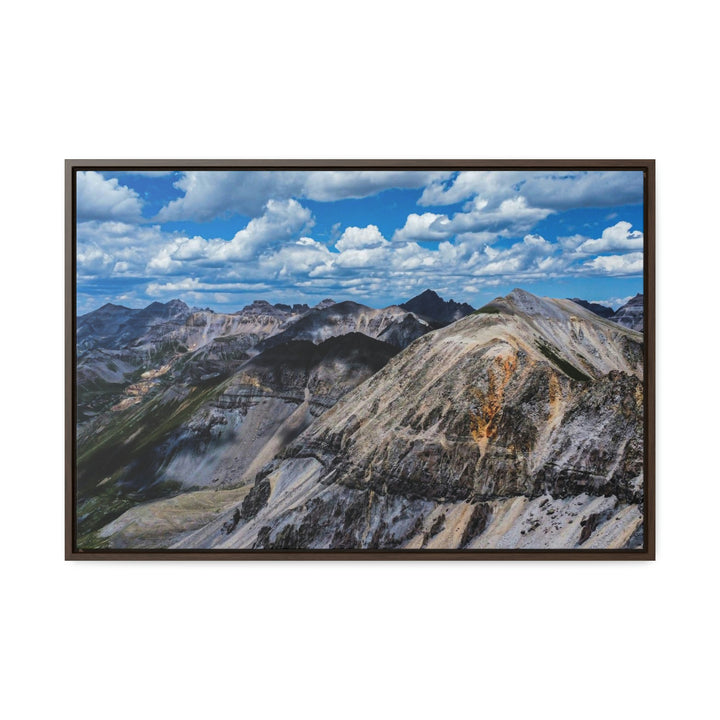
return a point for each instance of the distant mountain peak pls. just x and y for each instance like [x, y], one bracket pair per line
[297, 308]
[632, 314]
[170, 309]
[327, 302]
[177, 303]
[263, 307]
[430, 306]
[111, 307]
[174, 305]
[601, 310]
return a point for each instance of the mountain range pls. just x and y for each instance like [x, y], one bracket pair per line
[630, 315]
[424, 425]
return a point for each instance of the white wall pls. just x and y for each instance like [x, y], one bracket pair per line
[372, 79]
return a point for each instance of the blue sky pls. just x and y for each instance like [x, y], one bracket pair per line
[222, 239]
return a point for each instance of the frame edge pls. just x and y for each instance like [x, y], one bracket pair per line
[648, 553]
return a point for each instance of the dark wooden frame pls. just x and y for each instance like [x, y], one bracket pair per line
[646, 166]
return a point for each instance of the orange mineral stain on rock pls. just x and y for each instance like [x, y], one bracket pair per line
[484, 424]
[136, 392]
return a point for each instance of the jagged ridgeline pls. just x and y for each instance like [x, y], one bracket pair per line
[426, 425]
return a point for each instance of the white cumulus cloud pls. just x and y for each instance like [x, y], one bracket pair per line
[208, 194]
[617, 237]
[280, 222]
[101, 199]
[421, 227]
[555, 190]
[354, 238]
[512, 217]
[629, 264]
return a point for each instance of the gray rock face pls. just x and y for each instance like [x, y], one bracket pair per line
[632, 314]
[512, 425]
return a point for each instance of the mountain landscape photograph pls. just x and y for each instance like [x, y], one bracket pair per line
[359, 360]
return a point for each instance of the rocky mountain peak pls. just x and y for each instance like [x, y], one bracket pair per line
[171, 309]
[326, 303]
[177, 306]
[111, 308]
[429, 294]
[296, 308]
[524, 302]
[430, 306]
[257, 306]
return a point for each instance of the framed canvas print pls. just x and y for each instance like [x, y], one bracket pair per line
[360, 359]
